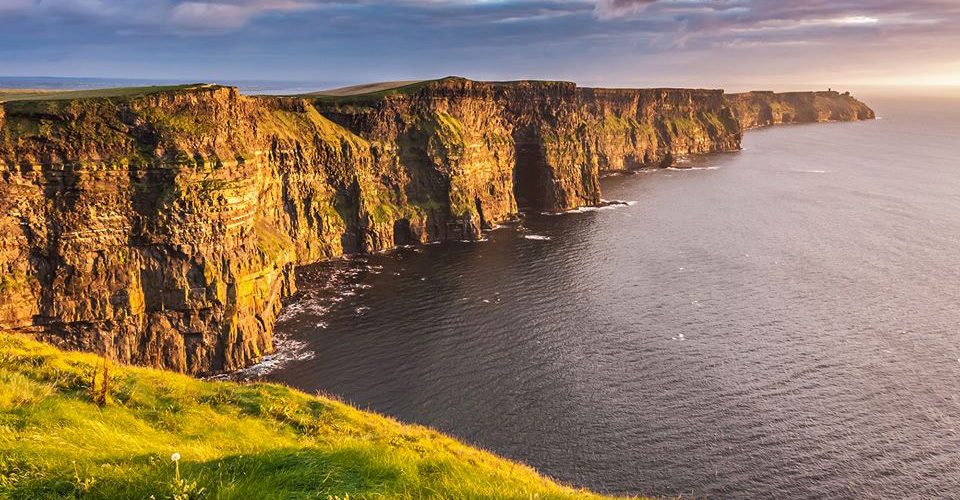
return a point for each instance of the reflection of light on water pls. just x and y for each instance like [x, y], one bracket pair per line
[802, 171]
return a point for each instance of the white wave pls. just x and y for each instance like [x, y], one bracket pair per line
[683, 169]
[285, 351]
[538, 237]
[604, 205]
[628, 203]
[307, 306]
[803, 171]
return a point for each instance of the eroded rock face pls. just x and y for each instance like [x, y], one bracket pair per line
[147, 228]
[633, 129]
[163, 229]
[765, 108]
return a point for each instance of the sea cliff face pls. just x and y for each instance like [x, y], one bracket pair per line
[163, 227]
[631, 129]
[765, 108]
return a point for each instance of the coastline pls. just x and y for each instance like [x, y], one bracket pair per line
[173, 238]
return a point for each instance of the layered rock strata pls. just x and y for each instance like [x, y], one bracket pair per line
[163, 227]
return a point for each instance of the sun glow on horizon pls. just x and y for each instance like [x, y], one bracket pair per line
[943, 78]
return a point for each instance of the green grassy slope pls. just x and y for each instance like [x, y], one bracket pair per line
[367, 93]
[251, 441]
[364, 88]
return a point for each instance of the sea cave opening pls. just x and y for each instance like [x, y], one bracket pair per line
[530, 178]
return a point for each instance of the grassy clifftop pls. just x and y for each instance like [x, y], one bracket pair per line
[235, 441]
[9, 95]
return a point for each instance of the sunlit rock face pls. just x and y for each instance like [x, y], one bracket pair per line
[764, 108]
[164, 228]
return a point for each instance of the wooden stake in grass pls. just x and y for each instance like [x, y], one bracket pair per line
[105, 388]
[99, 397]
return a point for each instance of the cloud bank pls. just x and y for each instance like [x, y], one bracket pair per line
[599, 41]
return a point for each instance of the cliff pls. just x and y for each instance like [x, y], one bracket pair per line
[503, 146]
[630, 129]
[765, 108]
[161, 226]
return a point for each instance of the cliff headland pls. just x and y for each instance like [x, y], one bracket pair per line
[765, 108]
[162, 226]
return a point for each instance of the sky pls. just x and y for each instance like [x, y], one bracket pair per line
[734, 44]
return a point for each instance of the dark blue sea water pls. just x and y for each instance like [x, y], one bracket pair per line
[781, 322]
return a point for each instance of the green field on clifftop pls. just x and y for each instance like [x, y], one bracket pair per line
[11, 95]
[252, 441]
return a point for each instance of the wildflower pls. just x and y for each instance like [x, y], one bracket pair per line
[176, 466]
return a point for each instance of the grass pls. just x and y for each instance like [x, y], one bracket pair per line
[365, 96]
[11, 95]
[365, 88]
[253, 441]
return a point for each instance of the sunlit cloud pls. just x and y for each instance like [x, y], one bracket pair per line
[856, 20]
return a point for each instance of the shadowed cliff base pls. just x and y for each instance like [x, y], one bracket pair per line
[162, 225]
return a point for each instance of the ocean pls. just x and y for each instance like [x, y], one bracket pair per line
[783, 321]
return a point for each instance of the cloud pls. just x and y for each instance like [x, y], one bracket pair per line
[510, 38]
[607, 9]
[156, 16]
[684, 22]
[221, 15]
[14, 5]
[200, 15]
